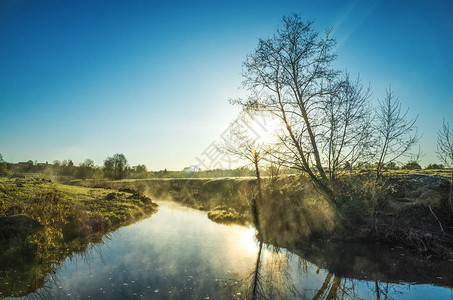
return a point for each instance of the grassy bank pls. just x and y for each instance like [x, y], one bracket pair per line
[229, 196]
[43, 222]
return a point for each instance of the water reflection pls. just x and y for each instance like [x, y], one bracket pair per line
[279, 274]
[179, 253]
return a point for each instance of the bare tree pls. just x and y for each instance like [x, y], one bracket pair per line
[290, 76]
[445, 154]
[292, 67]
[242, 143]
[396, 133]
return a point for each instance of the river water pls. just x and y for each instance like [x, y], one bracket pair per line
[178, 253]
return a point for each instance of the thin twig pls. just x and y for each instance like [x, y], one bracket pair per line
[440, 224]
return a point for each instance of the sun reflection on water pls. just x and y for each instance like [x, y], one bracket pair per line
[247, 240]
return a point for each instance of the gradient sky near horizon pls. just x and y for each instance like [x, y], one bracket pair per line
[151, 79]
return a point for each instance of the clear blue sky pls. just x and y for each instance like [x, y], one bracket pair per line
[87, 79]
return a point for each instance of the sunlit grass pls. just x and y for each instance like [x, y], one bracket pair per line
[68, 212]
[71, 217]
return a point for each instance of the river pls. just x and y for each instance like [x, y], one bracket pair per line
[178, 253]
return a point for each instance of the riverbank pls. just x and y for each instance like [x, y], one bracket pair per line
[42, 222]
[403, 209]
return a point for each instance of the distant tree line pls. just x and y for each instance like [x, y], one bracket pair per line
[111, 170]
[116, 167]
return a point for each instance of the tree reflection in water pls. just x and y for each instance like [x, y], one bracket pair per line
[271, 278]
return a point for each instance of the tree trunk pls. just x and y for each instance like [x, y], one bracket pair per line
[259, 196]
[378, 294]
[334, 288]
[324, 287]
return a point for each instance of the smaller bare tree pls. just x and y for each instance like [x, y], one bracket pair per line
[445, 154]
[242, 143]
[396, 134]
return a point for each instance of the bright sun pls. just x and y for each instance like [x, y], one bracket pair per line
[264, 131]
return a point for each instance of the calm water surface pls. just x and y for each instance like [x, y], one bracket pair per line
[178, 253]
